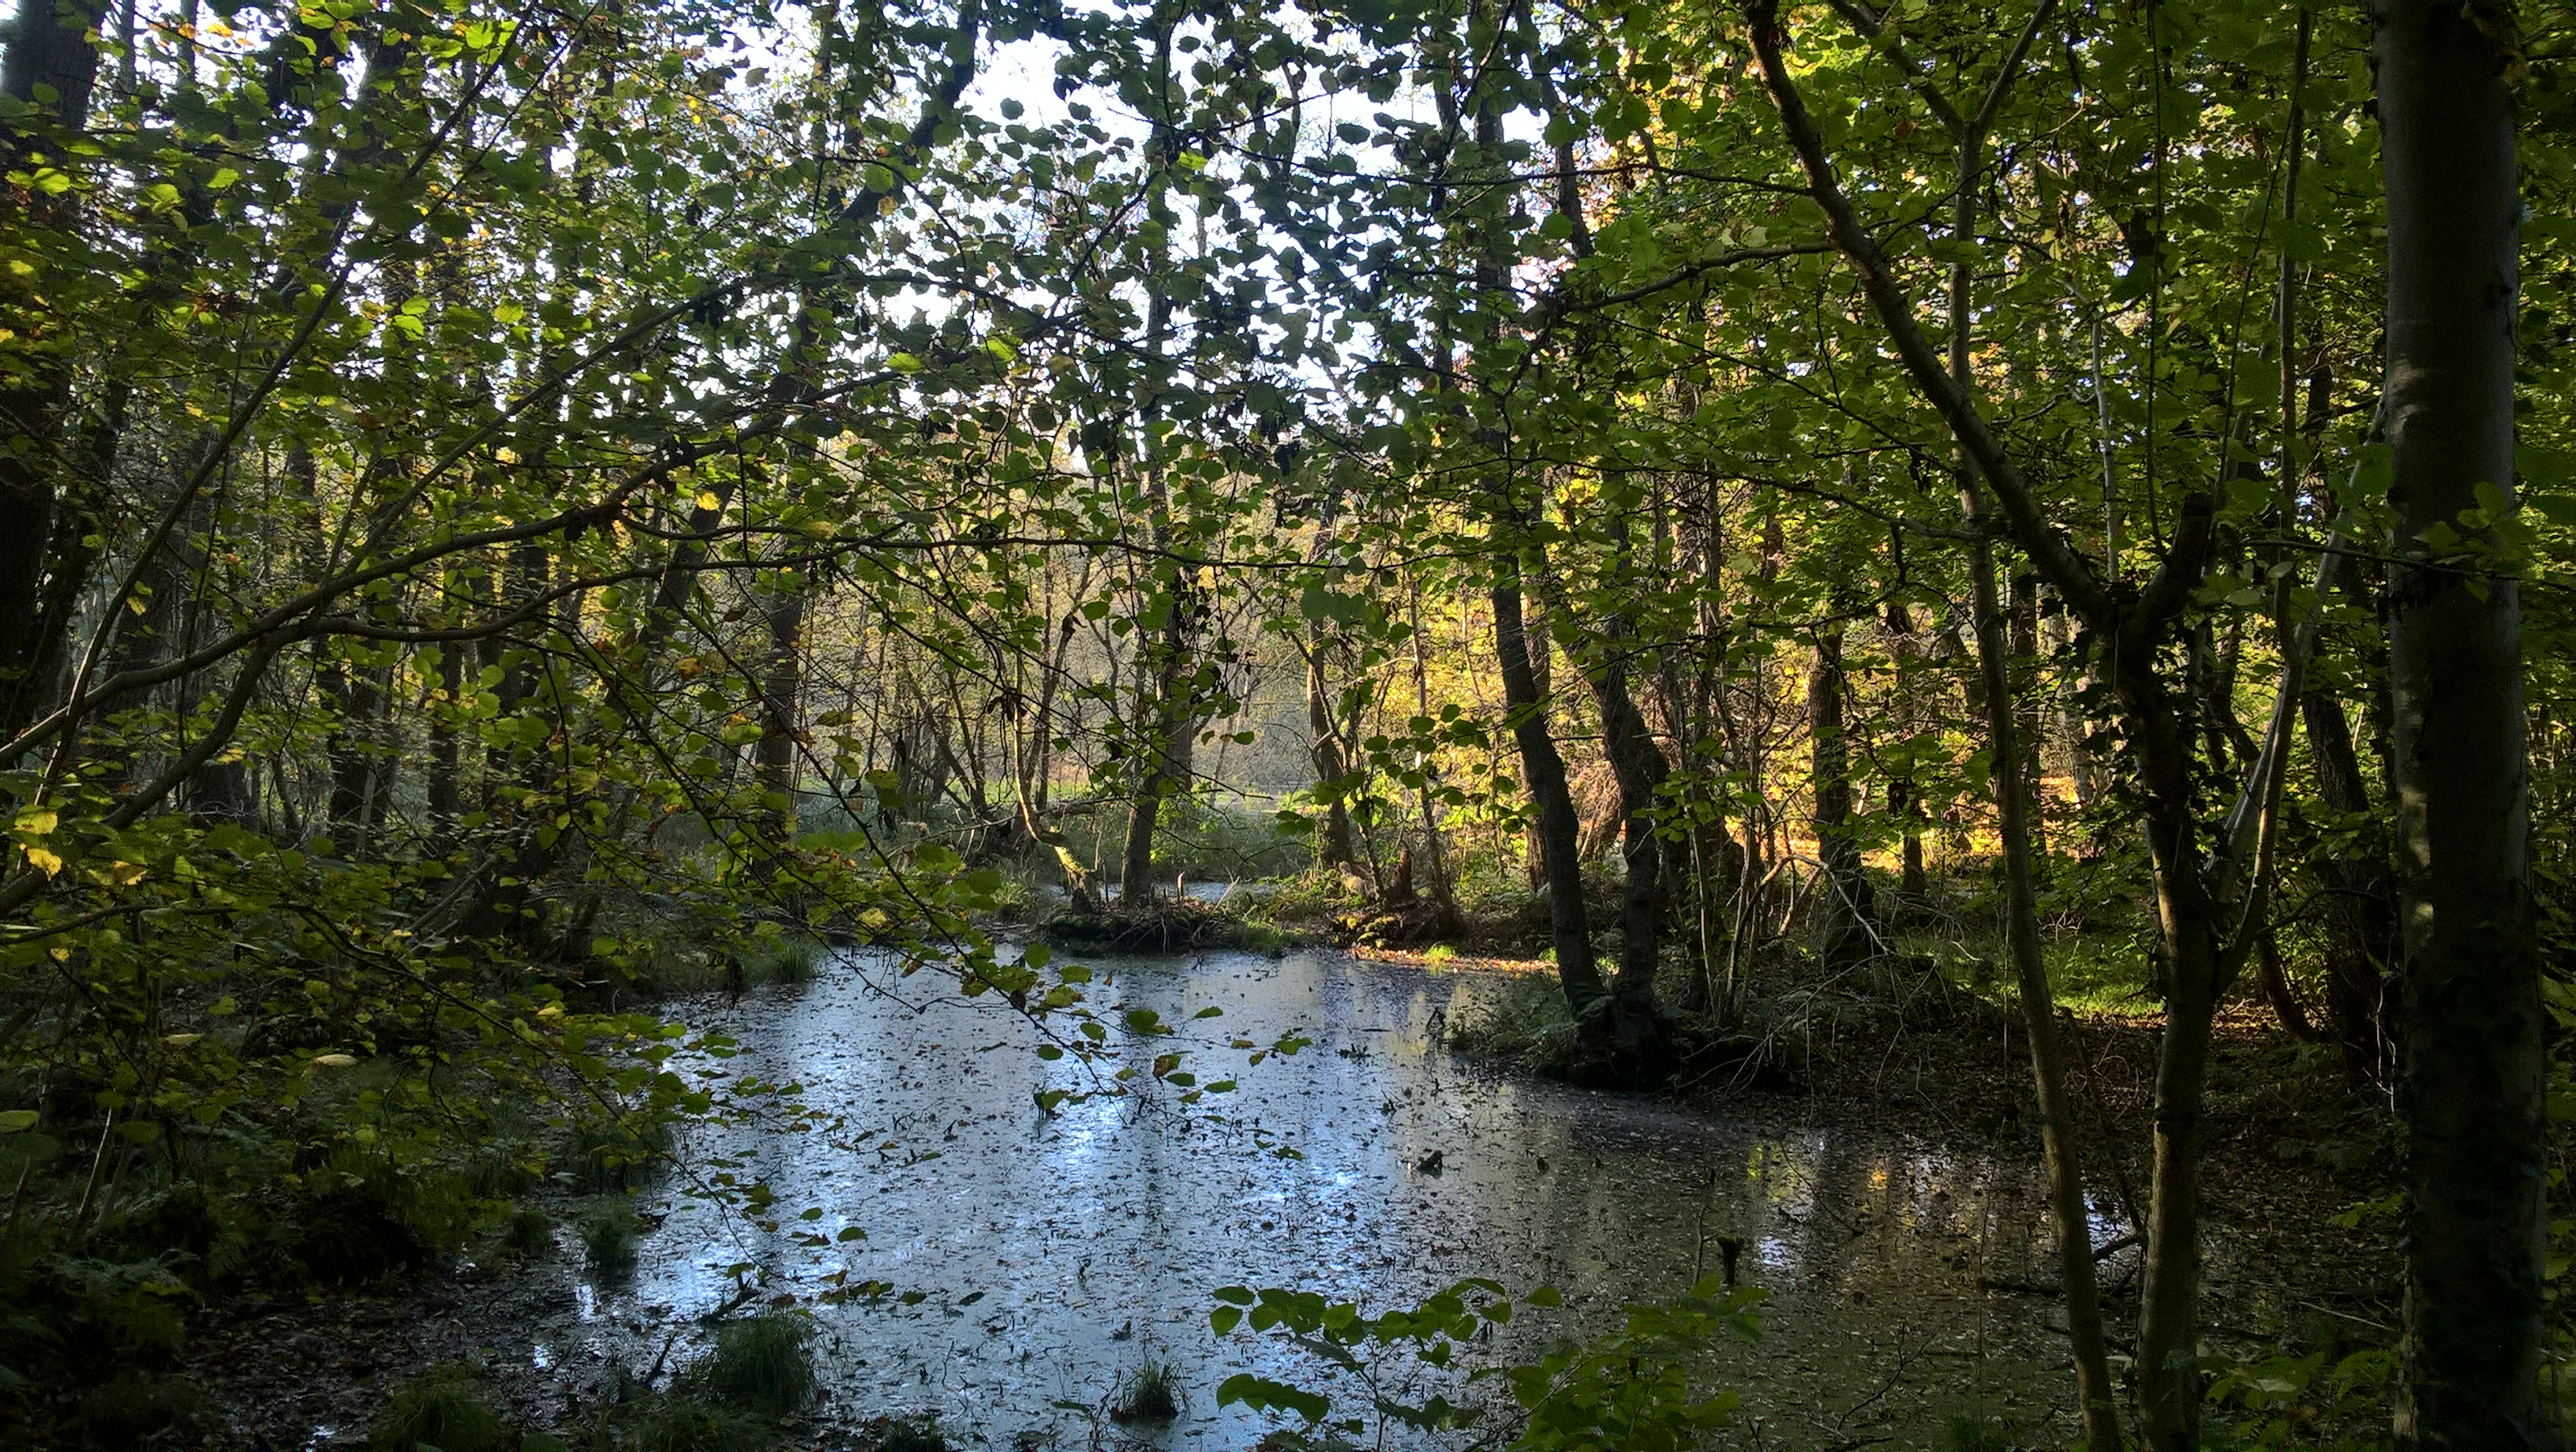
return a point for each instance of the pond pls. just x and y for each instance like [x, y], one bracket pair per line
[1052, 1252]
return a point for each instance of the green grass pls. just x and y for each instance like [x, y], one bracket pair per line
[789, 961]
[1522, 1020]
[529, 1232]
[443, 1408]
[618, 1154]
[685, 1424]
[761, 1364]
[608, 1237]
[1150, 1393]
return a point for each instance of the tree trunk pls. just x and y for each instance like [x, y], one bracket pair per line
[1544, 771]
[1333, 846]
[1170, 719]
[2360, 901]
[446, 750]
[1844, 907]
[1638, 1035]
[2470, 1056]
[2024, 635]
[1904, 795]
[783, 684]
[2169, 1377]
[50, 46]
[2067, 1208]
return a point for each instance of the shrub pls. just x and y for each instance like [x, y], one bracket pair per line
[136, 1409]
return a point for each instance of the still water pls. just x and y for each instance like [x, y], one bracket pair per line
[1051, 1253]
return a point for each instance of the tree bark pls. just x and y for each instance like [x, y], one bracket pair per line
[1544, 771]
[48, 46]
[781, 687]
[1638, 1034]
[1844, 907]
[1333, 846]
[2360, 909]
[2470, 1054]
[2067, 1208]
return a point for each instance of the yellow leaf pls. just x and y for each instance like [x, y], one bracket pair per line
[709, 499]
[334, 1061]
[44, 861]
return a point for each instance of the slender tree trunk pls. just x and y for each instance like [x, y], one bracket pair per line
[49, 46]
[2169, 1376]
[2470, 1026]
[1544, 771]
[1440, 889]
[1638, 1034]
[1170, 718]
[446, 750]
[1333, 847]
[2360, 900]
[1904, 795]
[2068, 1212]
[2014, 813]
[780, 690]
[2024, 635]
[1844, 905]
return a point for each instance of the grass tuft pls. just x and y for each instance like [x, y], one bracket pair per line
[618, 1154]
[761, 1364]
[1523, 1021]
[685, 1424]
[528, 1233]
[785, 960]
[443, 1408]
[1150, 1393]
[904, 1434]
[608, 1238]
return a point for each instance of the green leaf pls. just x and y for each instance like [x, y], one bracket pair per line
[1262, 1395]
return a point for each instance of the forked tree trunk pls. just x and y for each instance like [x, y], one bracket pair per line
[2470, 1054]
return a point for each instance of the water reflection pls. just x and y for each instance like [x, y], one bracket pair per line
[1051, 1252]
